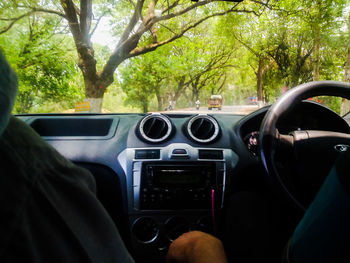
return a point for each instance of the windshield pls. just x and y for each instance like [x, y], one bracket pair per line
[135, 56]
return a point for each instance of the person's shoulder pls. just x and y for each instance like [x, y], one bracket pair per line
[38, 159]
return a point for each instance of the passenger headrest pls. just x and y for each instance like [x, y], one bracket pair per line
[8, 91]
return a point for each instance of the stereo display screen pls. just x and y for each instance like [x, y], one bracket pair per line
[165, 176]
[170, 177]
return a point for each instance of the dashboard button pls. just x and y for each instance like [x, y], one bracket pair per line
[179, 151]
[147, 154]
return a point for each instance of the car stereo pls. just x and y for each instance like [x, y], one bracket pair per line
[178, 185]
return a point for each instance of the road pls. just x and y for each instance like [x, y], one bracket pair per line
[237, 109]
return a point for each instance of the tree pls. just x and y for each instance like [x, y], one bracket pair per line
[45, 71]
[258, 46]
[194, 64]
[145, 20]
[138, 87]
[322, 16]
[292, 56]
[282, 43]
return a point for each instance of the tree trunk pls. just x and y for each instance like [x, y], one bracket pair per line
[94, 92]
[159, 100]
[259, 80]
[195, 89]
[180, 87]
[145, 107]
[188, 100]
[345, 105]
[197, 96]
[316, 74]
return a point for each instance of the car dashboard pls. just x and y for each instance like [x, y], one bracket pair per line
[160, 175]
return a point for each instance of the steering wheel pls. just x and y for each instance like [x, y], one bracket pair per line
[270, 140]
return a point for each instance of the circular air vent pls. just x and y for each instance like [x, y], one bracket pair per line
[203, 128]
[155, 128]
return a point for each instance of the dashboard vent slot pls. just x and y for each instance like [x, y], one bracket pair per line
[72, 127]
[155, 128]
[211, 154]
[203, 128]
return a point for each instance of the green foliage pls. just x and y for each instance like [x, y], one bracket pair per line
[282, 38]
[45, 66]
[114, 99]
[333, 103]
[138, 84]
[181, 72]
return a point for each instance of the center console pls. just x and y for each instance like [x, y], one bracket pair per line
[172, 190]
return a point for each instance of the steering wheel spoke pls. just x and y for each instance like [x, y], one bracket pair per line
[319, 143]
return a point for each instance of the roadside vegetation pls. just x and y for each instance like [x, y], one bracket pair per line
[173, 51]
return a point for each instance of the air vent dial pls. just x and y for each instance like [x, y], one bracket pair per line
[155, 128]
[203, 128]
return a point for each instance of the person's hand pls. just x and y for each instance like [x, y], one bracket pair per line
[196, 247]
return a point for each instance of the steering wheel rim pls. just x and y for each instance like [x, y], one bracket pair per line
[268, 132]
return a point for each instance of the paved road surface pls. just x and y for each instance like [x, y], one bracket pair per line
[238, 109]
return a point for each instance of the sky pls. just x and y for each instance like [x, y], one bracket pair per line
[102, 35]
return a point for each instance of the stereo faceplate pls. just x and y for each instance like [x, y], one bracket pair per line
[176, 185]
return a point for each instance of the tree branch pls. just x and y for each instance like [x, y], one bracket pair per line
[49, 11]
[246, 45]
[266, 4]
[273, 7]
[181, 12]
[151, 47]
[34, 10]
[256, 73]
[70, 10]
[133, 3]
[134, 19]
[96, 25]
[85, 18]
[127, 45]
[44, 10]
[14, 20]
[168, 28]
[222, 84]
[150, 12]
[167, 10]
[267, 67]
[201, 3]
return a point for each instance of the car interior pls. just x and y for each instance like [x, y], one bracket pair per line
[246, 179]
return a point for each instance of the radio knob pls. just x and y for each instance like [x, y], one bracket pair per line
[145, 229]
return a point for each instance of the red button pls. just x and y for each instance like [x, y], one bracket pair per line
[179, 151]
